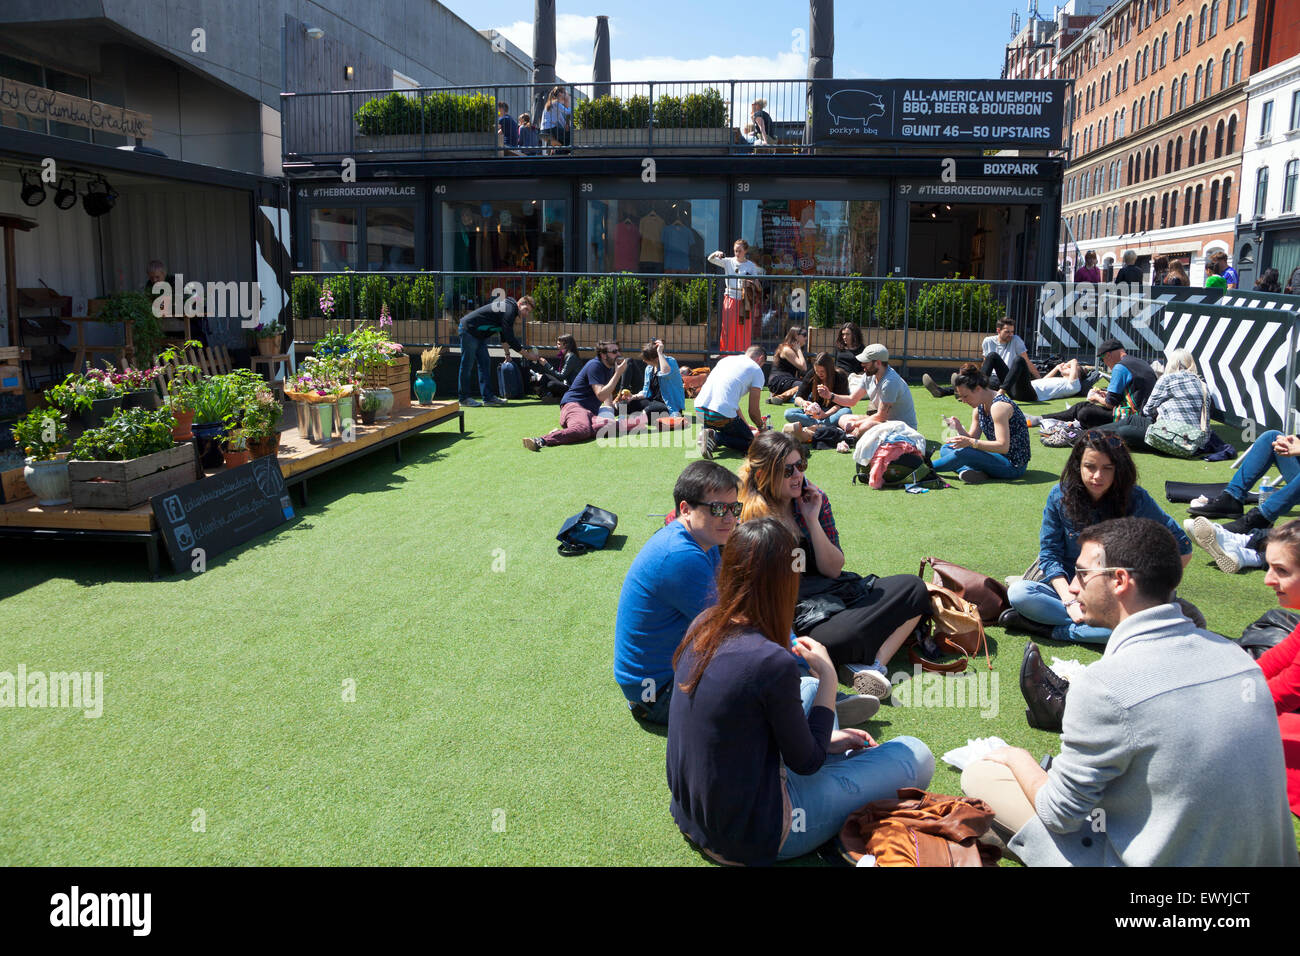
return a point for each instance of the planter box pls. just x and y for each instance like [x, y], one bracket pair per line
[692, 141]
[398, 378]
[125, 484]
[613, 142]
[438, 145]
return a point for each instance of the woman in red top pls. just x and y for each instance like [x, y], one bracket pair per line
[1088, 272]
[1281, 664]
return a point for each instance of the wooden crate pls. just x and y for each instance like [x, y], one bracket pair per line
[398, 378]
[13, 487]
[125, 484]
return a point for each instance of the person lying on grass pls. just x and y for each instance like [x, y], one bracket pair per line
[743, 751]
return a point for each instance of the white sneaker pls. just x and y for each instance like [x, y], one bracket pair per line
[1229, 550]
[866, 680]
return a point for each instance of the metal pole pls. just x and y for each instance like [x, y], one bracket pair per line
[1289, 423]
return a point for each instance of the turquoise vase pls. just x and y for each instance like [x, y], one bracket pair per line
[425, 387]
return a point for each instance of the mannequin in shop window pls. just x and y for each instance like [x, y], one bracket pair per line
[652, 246]
[627, 244]
[677, 245]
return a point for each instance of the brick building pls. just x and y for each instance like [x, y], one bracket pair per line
[1157, 129]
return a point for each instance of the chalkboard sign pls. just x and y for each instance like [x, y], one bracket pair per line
[204, 518]
[975, 112]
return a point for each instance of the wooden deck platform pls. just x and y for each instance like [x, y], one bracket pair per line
[299, 460]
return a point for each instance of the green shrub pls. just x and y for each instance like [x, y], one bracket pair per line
[387, 116]
[666, 301]
[891, 306]
[704, 110]
[956, 307]
[821, 304]
[129, 433]
[618, 299]
[548, 299]
[372, 293]
[698, 302]
[305, 296]
[459, 113]
[576, 300]
[638, 111]
[668, 112]
[341, 286]
[854, 302]
[424, 297]
[604, 112]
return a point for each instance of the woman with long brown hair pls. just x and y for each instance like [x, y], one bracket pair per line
[879, 613]
[808, 411]
[789, 364]
[736, 726]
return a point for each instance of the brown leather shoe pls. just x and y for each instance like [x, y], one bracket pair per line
[1044, 691]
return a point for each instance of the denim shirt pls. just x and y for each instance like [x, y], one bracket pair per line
[1058, 540]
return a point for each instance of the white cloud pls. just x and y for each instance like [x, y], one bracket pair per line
[575, 38]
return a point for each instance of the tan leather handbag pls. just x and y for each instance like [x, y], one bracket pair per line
[986, 593]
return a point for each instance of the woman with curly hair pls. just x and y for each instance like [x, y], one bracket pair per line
[879, 614]
[1099, 482]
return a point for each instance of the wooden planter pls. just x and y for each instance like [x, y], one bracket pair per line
[614, 142]
[438, 145]
[125, 484]
[397, 377]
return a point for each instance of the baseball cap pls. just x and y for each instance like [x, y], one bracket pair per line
[1108, 345]
[874, 353]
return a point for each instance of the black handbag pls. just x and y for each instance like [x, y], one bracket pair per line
[587, 531]
[1269, 631]
[821, 598]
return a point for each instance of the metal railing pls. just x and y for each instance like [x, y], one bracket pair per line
[919, 320]
[699, 116]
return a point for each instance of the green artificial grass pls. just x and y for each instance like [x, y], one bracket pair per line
[486, 727]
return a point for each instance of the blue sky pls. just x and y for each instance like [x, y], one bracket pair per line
[689, 39]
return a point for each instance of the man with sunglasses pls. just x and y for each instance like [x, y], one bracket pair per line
[596, 385]
[671, 581]
[1170, 753]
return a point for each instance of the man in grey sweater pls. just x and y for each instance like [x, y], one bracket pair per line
[1170, 749]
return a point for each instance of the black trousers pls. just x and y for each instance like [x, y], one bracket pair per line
[1086, 414]
[648, 405]
[1015, 380]
[855, 634]
[1132, 429]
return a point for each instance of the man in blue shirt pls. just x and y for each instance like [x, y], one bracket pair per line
[671, 581]
[596, 385]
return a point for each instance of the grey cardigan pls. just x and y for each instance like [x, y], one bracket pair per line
[1170, 756]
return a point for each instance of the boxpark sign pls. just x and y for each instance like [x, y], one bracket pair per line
[973, 112]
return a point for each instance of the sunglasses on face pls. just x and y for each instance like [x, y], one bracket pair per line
[720, 508]
[799, 465]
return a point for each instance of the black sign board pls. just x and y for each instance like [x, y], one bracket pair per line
[221, 512]
[346, 191]
[974, 112]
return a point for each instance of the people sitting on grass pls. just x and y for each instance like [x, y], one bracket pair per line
[567, 360]
[495, 318]
[663, 392]
[884, 388]
[1131, 382]
[808, 410]
[743, 754]
[670, 582]
[580, 416]
[540, 377]
[789, 366]
[1169, 755]
[848, 345]
[1269, 450]
[734, 379]
[1180, 395]
[1061, 381]
[997, 443]
[879, 615]
[1099, 482]
[1281, 664]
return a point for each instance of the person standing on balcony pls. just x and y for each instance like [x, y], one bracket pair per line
[736, 334]
[528, 142]
[509, 131]
[555, 118]
[763, 134]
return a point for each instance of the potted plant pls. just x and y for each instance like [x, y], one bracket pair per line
[260, 423]
[137, 386]
[369, 403]
[216, 400]
[40, 434]
[235, 449]
[181, 387]
[128, 459]
[425, 386]
[315, 388]
[88, 399]
[134, 310]
[268, 337]
[374, 354]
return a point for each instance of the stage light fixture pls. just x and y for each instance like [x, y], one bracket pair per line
[33, 189]
[65, 197]
[99, 197]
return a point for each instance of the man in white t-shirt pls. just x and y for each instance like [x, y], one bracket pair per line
[885, 389]
[718, 402]
[1061, 382]
[1006, 356]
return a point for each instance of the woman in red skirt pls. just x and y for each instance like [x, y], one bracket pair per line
[737, 331]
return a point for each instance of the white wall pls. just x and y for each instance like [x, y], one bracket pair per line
[1277, 84]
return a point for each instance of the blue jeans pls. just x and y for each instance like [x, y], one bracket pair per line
[732, 432]
[474, 353]
[822, 801]
[1256, 463]
[1038, 601]
[796, 415]
[959, 459]
[655, 712]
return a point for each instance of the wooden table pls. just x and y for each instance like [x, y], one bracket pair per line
[120, 351]
[300, 460]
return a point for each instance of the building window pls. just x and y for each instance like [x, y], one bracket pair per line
[334, 238]
[1232, 13]
[1187, 205]
[390, 238]
[1218, 140]
[1173, 208]
[1187, 34]
[1155, 160]
[1178, 154]
[1182, 92]
[1209, 77]
[504, 235]
[1191, 148]
[1146, 165]
[1223, 201]
[1196, 209]
[1164, 49]
[1266, 120]
[1178, 40]
[1214, 18]
[1232, 134]
[1196, 90]
[1295, 111]
[1237, 57]
[1205, 137]
[1164, 210]
[1289, 185]
[1214, 200]
[1169, 157]
[813, 237]
[1261, 192]
[1243, 9]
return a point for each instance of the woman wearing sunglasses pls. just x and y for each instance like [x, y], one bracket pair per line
[743, 754]
[863, 637]
[1281, 664]
[1099, 482]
